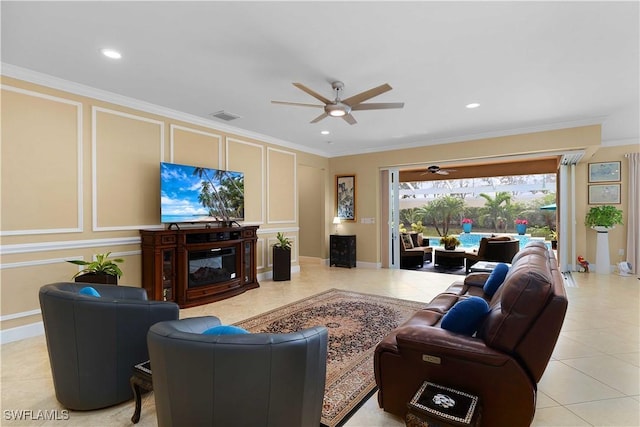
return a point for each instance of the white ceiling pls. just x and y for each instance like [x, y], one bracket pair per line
[531, 65]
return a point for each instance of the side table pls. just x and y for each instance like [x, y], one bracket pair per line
[140, 380]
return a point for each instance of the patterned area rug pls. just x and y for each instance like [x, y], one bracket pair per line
[356, 323]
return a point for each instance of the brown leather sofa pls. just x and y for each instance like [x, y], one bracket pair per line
[505, 359]
[495, 249]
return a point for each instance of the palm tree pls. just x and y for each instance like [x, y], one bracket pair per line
[440, 212]
[496, 208]
[209, 195]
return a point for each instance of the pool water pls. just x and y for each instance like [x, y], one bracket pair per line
[472, 240]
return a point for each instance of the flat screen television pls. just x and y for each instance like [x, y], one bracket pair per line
[191, 194]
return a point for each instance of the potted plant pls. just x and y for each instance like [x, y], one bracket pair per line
[282, 258]
[102, 270]
[602, 219]
[603, 216]
[521, 226]
[416, 233]
[449, 242]
[553, 236]
[467, 224]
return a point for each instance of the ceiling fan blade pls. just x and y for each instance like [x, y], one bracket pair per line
[320, 117]
[299, 104]
[367, 94]
[312, 93]
[349, 119]
[378, 106]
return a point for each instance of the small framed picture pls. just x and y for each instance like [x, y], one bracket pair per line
[604, 172]
[604, 194]
[346, 197]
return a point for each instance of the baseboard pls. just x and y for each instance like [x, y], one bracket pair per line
[21, 332]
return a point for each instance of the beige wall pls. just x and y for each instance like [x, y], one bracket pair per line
[80, 176]
[367, 166]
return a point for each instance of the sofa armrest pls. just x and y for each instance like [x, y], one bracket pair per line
[439, 342]
[476, 279]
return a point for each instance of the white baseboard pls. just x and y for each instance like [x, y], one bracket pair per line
[21, 332]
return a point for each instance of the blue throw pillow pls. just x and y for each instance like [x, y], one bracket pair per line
[90, 291]
[465, 316]
[495, 279]
[225, 330]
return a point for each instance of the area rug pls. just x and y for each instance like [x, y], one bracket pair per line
[356, 323]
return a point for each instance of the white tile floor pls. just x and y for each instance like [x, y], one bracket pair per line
[593, 378]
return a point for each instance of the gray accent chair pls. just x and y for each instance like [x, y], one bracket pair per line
[93, 342]
[236, 380]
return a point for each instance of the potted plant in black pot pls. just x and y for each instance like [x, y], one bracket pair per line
[282, 258]
[449, 242]
[103, 270]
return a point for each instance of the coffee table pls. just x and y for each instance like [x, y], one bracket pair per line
[140, 380]
[449, 258]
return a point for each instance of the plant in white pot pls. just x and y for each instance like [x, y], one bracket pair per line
[282, 258]
[602, 219]
[101, 270]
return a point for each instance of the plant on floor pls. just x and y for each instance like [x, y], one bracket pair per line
[283, 242]
[101, 265]
[603, 216]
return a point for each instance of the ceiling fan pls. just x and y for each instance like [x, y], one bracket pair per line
[343, 107]
[437, 170]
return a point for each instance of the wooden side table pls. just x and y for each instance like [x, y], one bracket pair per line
[140, 380]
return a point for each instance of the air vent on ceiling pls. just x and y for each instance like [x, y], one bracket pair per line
[571, 157]
[224, 115]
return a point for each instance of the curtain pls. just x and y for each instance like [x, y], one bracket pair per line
[633, 216]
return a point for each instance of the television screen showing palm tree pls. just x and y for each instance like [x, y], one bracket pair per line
[196, 194]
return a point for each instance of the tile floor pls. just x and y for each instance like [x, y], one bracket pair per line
[593, 378]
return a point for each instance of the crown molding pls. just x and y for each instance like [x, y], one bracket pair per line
[53, 82]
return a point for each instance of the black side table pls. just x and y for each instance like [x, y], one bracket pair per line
[140, 380]
[342, 250]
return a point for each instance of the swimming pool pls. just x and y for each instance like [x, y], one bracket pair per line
[472, 240]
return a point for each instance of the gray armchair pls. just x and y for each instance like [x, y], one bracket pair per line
[236, 380]
[94, 342]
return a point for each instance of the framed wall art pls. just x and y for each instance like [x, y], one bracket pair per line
[346, 197]
[604, 172]
[604, 194]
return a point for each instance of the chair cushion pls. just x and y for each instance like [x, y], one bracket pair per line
[89, 291]
[225, 330]
[495, 279]
[407, 243]
[466, 316]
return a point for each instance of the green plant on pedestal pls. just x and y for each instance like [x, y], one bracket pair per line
[603, 216]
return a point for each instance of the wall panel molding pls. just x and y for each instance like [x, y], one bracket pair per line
[94, 160]
[173, 128]
[270, 186]
[229, 141]
[65, 245]
[79, 186]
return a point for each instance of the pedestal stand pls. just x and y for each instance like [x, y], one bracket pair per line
[602, 250]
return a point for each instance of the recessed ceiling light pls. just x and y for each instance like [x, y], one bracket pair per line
[472, 105]
[325, 132]
[111, 53]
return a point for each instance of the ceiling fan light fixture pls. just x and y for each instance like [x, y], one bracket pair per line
[337, 110]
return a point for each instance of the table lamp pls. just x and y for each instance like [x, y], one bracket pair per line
[336, 222]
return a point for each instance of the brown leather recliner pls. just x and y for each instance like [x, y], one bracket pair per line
[501, 364]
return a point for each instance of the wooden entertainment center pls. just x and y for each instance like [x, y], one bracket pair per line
[196, 266]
